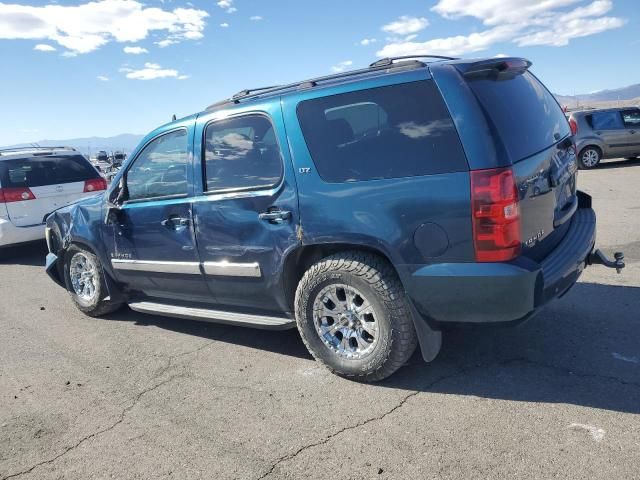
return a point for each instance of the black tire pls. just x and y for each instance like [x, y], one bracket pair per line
[98, 304]
[379, 283]
[587, 156]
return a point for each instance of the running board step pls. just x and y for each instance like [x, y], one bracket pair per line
[216, 316]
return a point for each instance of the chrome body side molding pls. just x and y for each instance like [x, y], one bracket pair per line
[232, 269]
[189, 268]
[216, 316]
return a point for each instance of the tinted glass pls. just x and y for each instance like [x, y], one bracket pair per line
[389, 132]
[49, 170]
[161, 168]
[242, 152]
[522, 113]
[606, 120]
[631, 118]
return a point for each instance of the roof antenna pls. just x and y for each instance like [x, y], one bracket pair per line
[173, 117]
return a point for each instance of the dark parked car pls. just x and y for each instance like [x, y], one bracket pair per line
[609, 133]
[102, 156]
[368, 208]
[118, 159]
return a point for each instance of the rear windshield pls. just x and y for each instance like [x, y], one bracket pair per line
[387, 132]
[523, 112]
[49, 170]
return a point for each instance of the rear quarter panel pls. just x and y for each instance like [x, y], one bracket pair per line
[380, 214]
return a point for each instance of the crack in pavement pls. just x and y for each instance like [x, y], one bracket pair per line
[124, 412]
[121, 418]
[462, 371]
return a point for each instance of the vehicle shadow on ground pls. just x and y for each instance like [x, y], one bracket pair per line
[582, 350]
[619, 163]
[31, 254]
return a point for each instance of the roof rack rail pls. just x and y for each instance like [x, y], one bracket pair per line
[249, 91]
[304, 84]
[385, 62]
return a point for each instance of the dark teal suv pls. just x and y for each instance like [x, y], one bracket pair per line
[366, 208]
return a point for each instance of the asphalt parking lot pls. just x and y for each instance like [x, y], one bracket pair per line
[138, 396]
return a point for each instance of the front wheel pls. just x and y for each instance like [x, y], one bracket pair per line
[590, 157]
[353, 316]
[85, 283]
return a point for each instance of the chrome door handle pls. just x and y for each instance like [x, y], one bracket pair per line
[175, 222]
[275, 216]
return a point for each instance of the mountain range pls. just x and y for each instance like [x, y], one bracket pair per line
[126, 142]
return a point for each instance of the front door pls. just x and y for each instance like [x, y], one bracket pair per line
[631, 119]
[246, 214]
[151, 239]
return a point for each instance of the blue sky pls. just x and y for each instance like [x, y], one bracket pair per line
[66, 73]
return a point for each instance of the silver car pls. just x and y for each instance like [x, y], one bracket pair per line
[607, 133]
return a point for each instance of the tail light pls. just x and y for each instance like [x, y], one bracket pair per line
[19, 194]
[95, 184]
[496, 215]
[574, 126]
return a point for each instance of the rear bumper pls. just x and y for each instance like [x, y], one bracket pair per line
[11, 235]
[501, 292]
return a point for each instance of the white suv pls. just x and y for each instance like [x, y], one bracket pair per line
[34, 182]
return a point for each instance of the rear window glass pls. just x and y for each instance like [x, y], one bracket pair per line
[389, 132]
[41, 171]
[606, 120]
[521, 110]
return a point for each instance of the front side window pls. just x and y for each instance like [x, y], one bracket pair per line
[388, 132]
[606, 120]
[161, 168]
[240, 153]
[631, 118]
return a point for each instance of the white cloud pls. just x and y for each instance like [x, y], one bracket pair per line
[255, 18]
[151, 71]
[135, 50]
[166, 42]
[342, 66]
[406, 25]
[86, 27]
[227, 5]
[183, 77]
[224, 25]
[102, 78]
[523, 22]
[367, 41]
[43, 47]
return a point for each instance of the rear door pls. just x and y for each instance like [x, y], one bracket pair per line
[247, 212]
[631, 120]
[608, 126]
[54, 181]
[532, 134]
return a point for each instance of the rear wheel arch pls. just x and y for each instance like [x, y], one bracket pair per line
[302, 258]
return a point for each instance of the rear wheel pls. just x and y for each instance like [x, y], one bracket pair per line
[590, 157]
[353, 316]
[85, 282]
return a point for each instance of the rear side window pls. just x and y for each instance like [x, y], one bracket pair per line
[521, 112]
[45, 170]
[389, 132]
[606, 120]
[242, 152]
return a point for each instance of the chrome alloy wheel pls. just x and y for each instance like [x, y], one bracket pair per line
[345, 321]
[83, 273]
[590, 158]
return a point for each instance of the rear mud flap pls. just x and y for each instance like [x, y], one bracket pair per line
[430, 339]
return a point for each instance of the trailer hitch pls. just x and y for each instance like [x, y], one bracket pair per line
[599, 258]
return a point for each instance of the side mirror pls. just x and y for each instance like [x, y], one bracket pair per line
[113, 206]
